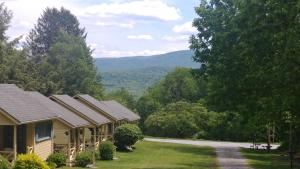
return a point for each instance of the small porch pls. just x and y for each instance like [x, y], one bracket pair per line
[69, 142]
[109, 130]
[111, 127]
[72, 141]
[94, 136]
[15, 139]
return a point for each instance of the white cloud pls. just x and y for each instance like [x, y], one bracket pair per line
[26, 24]
[150, 52]
[187, 27]
[26, 13]
[120, 53]
[116, 24]
[93, 45]
[140, 37]
[130, 14]
[143, 8]
[176, 38]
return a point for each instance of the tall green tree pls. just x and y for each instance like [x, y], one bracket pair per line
[146, 106]
[172, 122]
[249, 52]
[14, 67]
[5, 17]
[180, 84]
[244, 48]
[58, 48]
[122, 96]
[177, 85]
[69, 68]
[47, 29]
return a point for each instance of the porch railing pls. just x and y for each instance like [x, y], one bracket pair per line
[109, 137]
[102, 137]
[61, 148]
[97, 145]
[81, 147]
[89, 146]
[29, 149]
[9, 155]
[72, 154]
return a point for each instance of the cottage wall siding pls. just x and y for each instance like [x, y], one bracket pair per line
[30, 135]
[88, 135]
[60, 130]
[5, 120]
[43, 149]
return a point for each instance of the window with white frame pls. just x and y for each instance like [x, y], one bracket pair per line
[43, 131]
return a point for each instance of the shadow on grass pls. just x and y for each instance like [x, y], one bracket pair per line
[199, 165]
[261, 159]
[150, 155]
[202, 151]
[166, 167]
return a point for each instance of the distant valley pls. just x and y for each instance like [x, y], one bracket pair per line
[137, 73]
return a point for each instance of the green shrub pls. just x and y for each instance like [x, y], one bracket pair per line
[52, 165]
[200, 135]
[171, 124]
[57, 158]
[32, 161]
[97, 155]
[106, 150]
[4, 164]
[127, 135]
[84, 158]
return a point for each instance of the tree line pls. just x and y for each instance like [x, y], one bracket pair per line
[248, 82]
[176, 107]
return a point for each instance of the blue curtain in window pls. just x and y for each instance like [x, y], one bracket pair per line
[43, 131]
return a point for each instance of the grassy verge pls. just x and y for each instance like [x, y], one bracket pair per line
[261, 159]
[163, 156]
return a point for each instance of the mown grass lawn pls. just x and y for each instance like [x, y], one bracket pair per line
[261, 159]
[150, 155]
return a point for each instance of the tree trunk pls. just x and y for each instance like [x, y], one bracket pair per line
[269, 138]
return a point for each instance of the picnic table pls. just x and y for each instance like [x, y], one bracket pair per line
[262, 146]
[255, 146]
[266, 147]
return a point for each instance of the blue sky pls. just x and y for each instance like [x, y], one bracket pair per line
[118, 28]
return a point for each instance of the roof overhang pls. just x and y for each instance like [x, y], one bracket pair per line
[97, 109]
[82, 115]
[6, 114]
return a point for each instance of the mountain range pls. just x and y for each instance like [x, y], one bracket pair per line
[137, 73]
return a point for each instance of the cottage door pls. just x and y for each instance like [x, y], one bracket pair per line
[21, 139]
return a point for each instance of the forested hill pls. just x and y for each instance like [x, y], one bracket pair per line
[173, 59]
[139, 72]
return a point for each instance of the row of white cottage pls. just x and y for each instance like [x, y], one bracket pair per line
[33, 123]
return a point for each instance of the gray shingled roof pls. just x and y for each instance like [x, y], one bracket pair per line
[62, 112]
[113, 108]
[75, 105]
[119, 108]
[100, 106]
[21, 107]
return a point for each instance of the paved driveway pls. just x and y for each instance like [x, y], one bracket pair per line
[228, 153]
